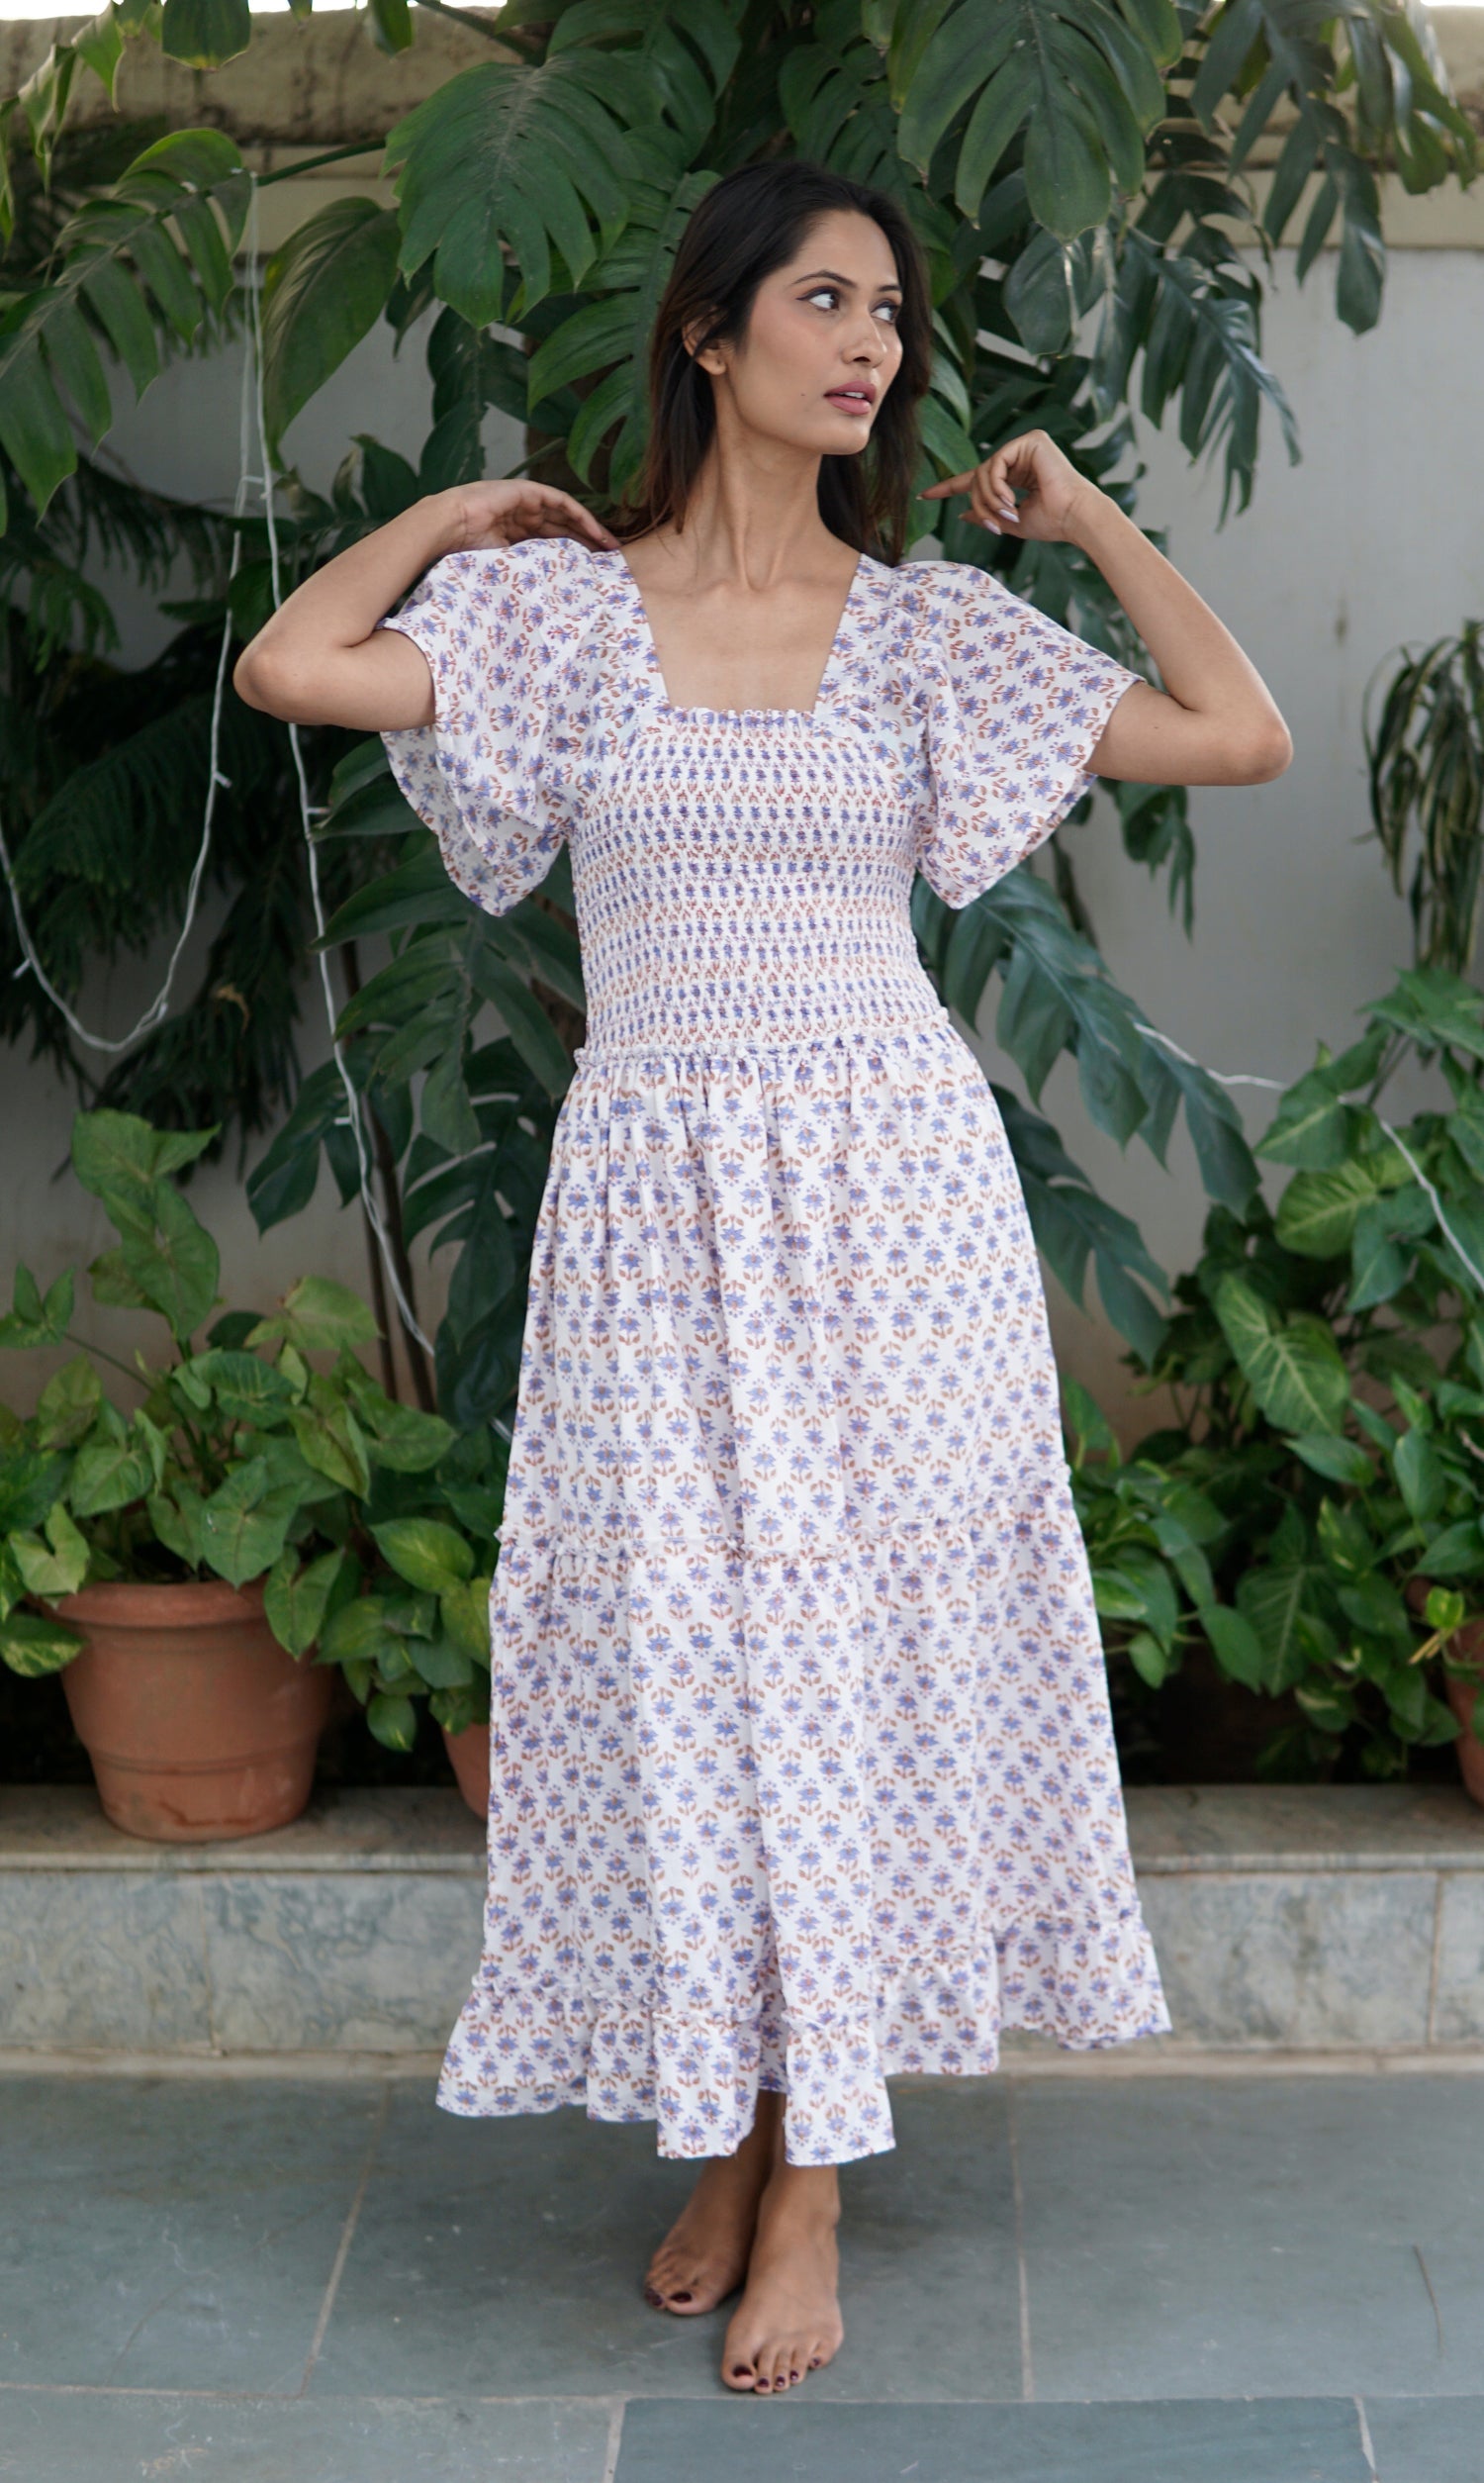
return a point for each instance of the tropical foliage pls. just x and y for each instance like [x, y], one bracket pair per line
[1318, 1511]
[1079, 175]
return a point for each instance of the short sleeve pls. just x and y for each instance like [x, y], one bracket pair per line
[1015, 707]
[487, 774]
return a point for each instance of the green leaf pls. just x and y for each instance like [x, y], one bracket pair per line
[331, 1441]
[400, 1437]
[1317, 1210]
[1379, 1258]
[113, 1286]
[1377, 1610]
[31, 1645]
[525, 159]
[33, 1321]
[465, 1612]
[56, 1566]
[295, 1599]
[324, 289]
[1342, 1538]
[123, 1161]
[1338, 1460]
[68, 1406]
[441, 1665]
[205, 33]
[1296, 1371]
[244, 1523]
[1457, 1552]
[1420, 1476]
[1311, 1127]
[109, 1476]
[393, 1720]
[425, 1553]
[177, 1270]
[1273, 1597]
[1445, 1610]
[1235, 1645]
[245, 1388]
[176, 1519]
[530, 1030]
[318, 1316]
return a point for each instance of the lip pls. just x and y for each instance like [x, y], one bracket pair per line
[858, 398]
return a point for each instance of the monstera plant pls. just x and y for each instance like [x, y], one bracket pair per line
[1079, 176]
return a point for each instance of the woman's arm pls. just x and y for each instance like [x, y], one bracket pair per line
[322, 658]
[1214, 722]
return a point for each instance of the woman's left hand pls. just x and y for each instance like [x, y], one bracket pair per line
[1033, 464]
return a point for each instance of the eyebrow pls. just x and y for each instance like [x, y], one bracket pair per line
[890, 285]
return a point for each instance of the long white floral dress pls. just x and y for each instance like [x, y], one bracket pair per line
[802, 1771]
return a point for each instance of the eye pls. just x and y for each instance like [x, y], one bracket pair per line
[892, 311]
[824, 293]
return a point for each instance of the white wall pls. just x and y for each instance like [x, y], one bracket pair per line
[1376, 538]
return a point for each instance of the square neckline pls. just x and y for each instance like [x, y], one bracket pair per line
[664, 702]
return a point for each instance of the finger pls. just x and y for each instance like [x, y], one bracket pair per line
[955, 483]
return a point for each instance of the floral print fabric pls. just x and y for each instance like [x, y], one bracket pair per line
[802, 1769]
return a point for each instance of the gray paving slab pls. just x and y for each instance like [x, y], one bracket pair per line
[509, 2255]
[156, 2234]
[1429, 2439]
[1276, 2237]
[790, 2440]
[104, 2436]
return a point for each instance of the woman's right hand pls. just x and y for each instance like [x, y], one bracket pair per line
[484, 516]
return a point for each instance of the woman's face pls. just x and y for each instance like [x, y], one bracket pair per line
[822, 346]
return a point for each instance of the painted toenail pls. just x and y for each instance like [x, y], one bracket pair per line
[679, 2297]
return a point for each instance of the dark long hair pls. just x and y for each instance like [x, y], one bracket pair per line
[747, 225]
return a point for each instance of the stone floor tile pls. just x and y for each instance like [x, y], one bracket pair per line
[791, 2440]
[1429, 2439]
[1193, 2238]
[104, 2435]
[156, 2233]
[508, 2255]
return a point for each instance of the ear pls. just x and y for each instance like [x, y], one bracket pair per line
[706, 358]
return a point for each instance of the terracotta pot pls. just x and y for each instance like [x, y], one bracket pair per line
[1461, 1690]
[469, 1751]
[197, 1722]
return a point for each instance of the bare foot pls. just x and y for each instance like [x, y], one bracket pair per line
[703, 2257]
[788, 2321]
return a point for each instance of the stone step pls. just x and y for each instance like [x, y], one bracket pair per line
[1303, 1924]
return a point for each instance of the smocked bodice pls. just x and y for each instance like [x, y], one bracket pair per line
[746, 878]
[743, 876]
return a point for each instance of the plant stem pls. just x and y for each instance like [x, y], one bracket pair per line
[102, 1355]
[391, 1192]
[311, 163]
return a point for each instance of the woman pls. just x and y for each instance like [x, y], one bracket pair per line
[802, 1771]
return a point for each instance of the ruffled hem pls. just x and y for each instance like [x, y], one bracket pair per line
[521, 2049]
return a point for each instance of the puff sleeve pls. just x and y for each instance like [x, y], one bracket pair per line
[1014, 705]
[490, 774]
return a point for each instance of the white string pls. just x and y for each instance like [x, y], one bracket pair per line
[307, 814]
[1244, 1078]
[29, 960]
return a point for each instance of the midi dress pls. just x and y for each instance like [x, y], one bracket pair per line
[802, 1771]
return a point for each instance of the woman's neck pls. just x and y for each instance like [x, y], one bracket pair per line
[753, 517]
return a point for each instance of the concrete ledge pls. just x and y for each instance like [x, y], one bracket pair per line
[1296, 1927]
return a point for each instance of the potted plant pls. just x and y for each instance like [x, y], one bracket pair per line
[1326, 1358]
[157, 1556]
